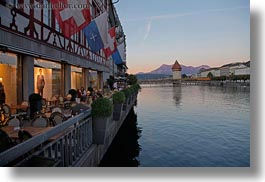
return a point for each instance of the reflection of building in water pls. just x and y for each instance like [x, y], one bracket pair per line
[177, 94]
[125, 149]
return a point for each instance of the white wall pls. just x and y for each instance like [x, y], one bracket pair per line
[243, 71]
[176, 75]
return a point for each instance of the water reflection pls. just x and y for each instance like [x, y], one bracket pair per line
[177, 95]
[125, 148]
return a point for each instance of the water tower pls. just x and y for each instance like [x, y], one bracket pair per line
[176, 69]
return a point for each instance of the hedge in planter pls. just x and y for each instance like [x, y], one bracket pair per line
[101, 107]
[101, 112]
[127, 93]
[118, 100]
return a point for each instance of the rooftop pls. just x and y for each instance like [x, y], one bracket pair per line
[176, 66]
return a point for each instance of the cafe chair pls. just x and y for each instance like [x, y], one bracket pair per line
[44, 102]
[25, 103]
[14, 121]
[57, 118]
[7, 110]
[24, 135]
[5, 141]
[40, 121]
[57, 109]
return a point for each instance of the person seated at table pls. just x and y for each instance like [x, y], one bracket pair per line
[99, 93]
[73, 93]
[83, 94]
[77, 108]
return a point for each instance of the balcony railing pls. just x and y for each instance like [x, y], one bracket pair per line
[71, 140]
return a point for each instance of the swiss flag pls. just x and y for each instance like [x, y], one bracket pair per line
[72, 15]
[112, 44]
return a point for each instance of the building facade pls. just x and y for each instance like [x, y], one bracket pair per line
[33, 47]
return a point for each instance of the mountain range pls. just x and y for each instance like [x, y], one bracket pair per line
[167, 70]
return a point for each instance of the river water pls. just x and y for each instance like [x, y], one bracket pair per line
[187, 126]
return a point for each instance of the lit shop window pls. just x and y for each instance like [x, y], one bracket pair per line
[8, 78]
[76, 77]
[47, 78]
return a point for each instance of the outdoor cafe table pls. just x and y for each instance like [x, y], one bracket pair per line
[34, 131]
[18, 107]
[12, 131]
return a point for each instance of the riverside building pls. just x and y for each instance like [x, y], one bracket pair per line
[33, 46]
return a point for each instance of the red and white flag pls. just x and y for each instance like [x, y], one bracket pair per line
[111, 47]
[72, 15]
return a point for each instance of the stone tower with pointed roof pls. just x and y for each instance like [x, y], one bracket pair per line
[176, 69]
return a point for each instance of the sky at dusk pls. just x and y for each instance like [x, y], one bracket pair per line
[195, 32]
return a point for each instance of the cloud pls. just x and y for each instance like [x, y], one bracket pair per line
[148, 29]
[173, 16]
[148, 26]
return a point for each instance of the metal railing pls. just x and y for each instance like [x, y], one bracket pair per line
[71, 140]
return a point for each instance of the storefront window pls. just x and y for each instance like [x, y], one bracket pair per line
[76, 77]
[8, 78]
[47, 76]
[93, 79]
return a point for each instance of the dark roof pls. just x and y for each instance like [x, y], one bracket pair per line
[247, 64]
[176, 66]
[231, 64]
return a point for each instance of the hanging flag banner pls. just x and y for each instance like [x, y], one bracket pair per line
[112, 45]
[72, 15]
[119, 55]
[96, 32]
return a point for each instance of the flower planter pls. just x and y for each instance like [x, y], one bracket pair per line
[100, 125]
[125, 105]
[102, 110]
[117, 112]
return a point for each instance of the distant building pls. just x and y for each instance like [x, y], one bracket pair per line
[235, 69]
[205, 72]
[244, 70]
[225, 70]
[176, 69]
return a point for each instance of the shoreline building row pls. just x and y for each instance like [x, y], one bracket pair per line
[31, 39]
[232, 69]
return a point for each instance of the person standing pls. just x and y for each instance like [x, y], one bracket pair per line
[2, 95]
[40, 83]
[83, 94]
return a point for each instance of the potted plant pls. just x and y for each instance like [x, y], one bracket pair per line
[101, 115]
[127, 94]
[118, 100]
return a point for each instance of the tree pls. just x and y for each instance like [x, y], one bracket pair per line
[132, 79]
[210, 75]
[184, 76]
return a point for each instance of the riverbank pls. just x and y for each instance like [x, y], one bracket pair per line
[169, 83]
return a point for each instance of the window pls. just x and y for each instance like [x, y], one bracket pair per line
[76, 77]
[8, 78]
[47, 13]
[47, 78]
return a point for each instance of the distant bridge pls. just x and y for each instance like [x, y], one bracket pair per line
[171, 81]
[206, 81]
